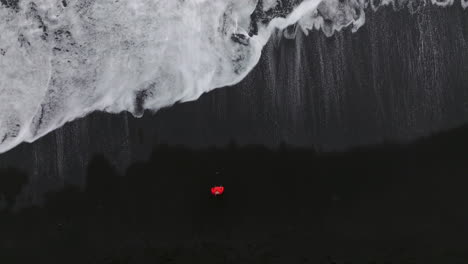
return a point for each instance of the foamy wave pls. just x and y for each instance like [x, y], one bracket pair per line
[62, 59]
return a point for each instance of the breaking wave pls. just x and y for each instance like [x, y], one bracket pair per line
[62, 59]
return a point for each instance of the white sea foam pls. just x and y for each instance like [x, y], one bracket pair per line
[62, 59]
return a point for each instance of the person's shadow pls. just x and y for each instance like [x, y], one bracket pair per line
[102, 186]
[12, 182]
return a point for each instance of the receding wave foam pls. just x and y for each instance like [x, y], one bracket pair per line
[62, 59]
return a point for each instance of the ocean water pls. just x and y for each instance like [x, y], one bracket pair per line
[62, 60]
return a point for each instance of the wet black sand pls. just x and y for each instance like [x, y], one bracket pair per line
[382, 204]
